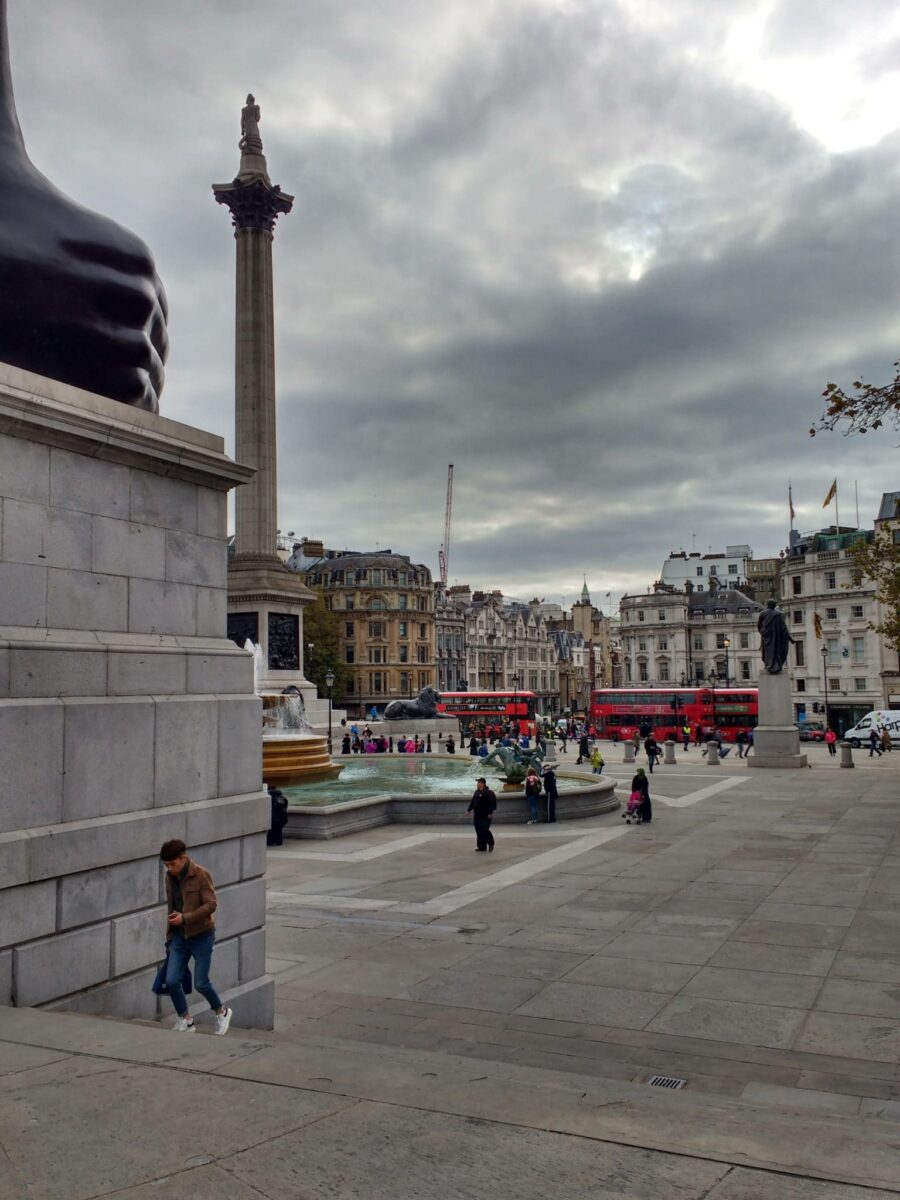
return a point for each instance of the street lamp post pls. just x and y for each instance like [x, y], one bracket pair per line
[727, 643]
[329, 683]
[712, 683]
[493, 672]
[515, 683]
[825, 681]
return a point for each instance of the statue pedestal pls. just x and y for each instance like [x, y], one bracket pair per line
[776, 739]
[126, 715]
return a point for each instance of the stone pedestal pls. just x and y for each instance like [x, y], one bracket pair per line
[776, 739]
[126, 715]
[669, 759]
[712, 754]
[846, 754]
[629, 752]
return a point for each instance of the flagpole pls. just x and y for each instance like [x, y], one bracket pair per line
[837, 512]
[856, 488]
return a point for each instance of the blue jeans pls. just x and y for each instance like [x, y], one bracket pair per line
[533, 802]
[181, 950]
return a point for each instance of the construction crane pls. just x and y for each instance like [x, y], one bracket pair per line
[444, 552]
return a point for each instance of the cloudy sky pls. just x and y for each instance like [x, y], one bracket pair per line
[602, 255]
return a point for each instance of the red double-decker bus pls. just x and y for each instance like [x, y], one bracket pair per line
[490, 708]
[617, 712]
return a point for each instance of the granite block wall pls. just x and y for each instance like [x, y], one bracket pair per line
[126, 716]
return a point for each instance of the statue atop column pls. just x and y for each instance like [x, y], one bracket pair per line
[81, 301]
[250, 139]
[775, 638]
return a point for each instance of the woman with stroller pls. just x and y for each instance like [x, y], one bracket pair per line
[641, 784]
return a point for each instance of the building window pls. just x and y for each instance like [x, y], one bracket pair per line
[403, 629]
[349, 627]
[859, 685]
[404, 653]
[831, 580]
[720, 641]
[732, 569]
[402, 600]
[422, 654]
[642, 672]
[830, 614]
[376, 603]
[713, 570]
[376, 654]
[375, 681]
[699, 587]
[797, 616]
[350, 655]
[856, 611]
[746, 672]
[799, 654]
[376, 576]
[664, 670]
[401, 578]
[404, 681]
[832, 646]
[744, 641]
[855, 578]
[642, 644]
[661, 614]
[348, 602]
[640, 614]
[797, 585]
[350, 686]
[698, 641]
[699, 570]
[628, 672]
[663, 643]
[800, 684]
[376, 629]
[859, 649]
[423, 631]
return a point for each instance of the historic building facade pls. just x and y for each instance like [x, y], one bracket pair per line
[678, 638]
[450, 642]
[385, 607]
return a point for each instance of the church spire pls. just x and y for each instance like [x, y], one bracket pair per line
[585, 594]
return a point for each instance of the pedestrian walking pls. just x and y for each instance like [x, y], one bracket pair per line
[563, 739]
[551, 791]
[741, 742]
[532, 794]
[482, 806]
[190, 934]
[584, 749]
[686, 736]
[641, 784]
[698, 735]
[278, 818]
[874, 744]
[651, 749]
[345, 744]
[597, 761]
[831, 742]
[886, 739]
[451, 744]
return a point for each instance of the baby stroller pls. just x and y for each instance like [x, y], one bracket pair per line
[632, 813]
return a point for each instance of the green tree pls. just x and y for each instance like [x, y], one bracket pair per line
[867, 406]
[879, 560]
[320, 629]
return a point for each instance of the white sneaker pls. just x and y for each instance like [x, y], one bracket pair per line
[223, 1020]
[184, 1025]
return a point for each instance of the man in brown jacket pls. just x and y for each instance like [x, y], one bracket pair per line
[192, 901]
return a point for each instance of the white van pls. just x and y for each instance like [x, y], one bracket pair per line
[880, 719]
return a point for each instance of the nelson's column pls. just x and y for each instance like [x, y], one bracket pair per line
[265, 598]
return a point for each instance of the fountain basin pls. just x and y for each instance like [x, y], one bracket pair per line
[320, 812]
[289, 761]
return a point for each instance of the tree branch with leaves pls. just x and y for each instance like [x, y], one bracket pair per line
[867, 406]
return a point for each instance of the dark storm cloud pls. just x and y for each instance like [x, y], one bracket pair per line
[556, 247]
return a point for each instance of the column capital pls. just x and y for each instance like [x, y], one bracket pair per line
[254, 204]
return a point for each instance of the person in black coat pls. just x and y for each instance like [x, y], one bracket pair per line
[584, 749]
[482, 806]
[275, 835]
[551, 791]
[641, 784]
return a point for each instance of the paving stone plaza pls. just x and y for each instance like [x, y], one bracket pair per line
[459, 1025]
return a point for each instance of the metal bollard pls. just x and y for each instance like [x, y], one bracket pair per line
[712, 754]
[669, 759]
[847, 755]
[629, 752]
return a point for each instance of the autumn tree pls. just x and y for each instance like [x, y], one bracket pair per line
[866, 406]
[879, 560]
[320, 630]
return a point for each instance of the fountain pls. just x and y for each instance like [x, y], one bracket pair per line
[292, 752]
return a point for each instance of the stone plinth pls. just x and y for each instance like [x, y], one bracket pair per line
[126, 715]
[776, 739]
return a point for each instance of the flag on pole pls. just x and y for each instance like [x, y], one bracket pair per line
[832, 492]
[791, 505]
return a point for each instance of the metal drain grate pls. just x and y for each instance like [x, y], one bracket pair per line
[666, 1081]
